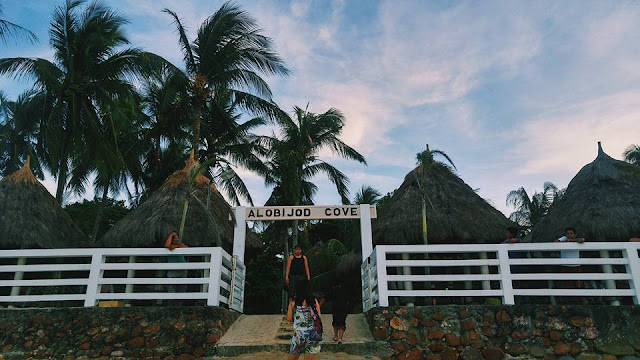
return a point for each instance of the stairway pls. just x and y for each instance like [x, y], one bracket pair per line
[266, 335]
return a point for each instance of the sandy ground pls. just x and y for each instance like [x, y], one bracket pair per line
[281, 356]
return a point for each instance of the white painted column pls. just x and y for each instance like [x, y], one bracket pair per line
[365, 230]
[18, 275]
[608, 269]
[215, 271]
[94, 278]
[381, 266]
[484, 270]
[634, 270]
[505, 277]
[240, 232]
[131, 273]
[406, 270]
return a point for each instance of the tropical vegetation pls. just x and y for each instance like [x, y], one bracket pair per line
[529, 210]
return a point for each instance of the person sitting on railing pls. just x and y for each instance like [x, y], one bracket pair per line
[173, 242]
[570, 236]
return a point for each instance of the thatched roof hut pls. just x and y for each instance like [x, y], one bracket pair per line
[150, 223]
[602, 202]
[31, 218]
[455, 213]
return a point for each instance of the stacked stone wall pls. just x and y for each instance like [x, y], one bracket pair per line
[108, 333]
[505, 332]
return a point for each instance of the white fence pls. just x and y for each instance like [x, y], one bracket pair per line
[608, 271]
[92, 275]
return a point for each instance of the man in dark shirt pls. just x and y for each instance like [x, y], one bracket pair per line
[297, 269]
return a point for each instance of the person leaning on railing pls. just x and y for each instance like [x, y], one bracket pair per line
[173, 242]
[570, 236]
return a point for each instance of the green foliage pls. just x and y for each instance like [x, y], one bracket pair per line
[84, 214]
[632, 154]
[263, 285]
[530, 210]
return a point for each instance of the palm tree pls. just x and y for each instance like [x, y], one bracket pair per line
[367, 195]
[229, 53]
[632, 154]
[428, 165]
[19, 131]
[294, 157]
[530, 210]
[9, 29]
[87, 75]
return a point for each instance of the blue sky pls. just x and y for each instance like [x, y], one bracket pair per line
[516, 92]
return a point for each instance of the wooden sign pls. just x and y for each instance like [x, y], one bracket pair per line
[269, 213]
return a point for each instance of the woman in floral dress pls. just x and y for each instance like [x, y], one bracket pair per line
[301, 314]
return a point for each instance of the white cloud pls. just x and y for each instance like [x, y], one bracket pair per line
[564, 140]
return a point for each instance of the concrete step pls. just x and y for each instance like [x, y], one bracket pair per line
[252, 334]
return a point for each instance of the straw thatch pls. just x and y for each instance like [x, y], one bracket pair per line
[602, 202]
[455, 214]
[31, 218]
[149, 224]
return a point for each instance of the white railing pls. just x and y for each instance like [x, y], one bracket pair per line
[100, 274]
[407, 272]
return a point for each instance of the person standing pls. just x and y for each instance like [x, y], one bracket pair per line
[303, 309]
[340, 308]
[173, 242]
[297, 269]
[570, 236]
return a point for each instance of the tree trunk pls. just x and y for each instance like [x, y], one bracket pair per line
[96, 224]
[284, 273]
[424, 222]
[184, 219]
[62, 181]
[195, 141]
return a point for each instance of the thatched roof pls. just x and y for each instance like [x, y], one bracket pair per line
[602, 202]
[150, 223]
[31, 218]
[456, 214]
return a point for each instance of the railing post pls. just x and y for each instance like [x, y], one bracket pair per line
[505, 276]
[15, 290]
[381, 266]
[365, 230]
[484, 270]
[634, 270]
[131, 273]
[215, 273]
[95, 273]
[608, 269]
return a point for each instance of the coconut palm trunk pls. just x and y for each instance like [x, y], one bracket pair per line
[101, 206]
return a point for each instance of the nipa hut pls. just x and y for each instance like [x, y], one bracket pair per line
[602, 202]
[208, 218]
[31, 218]
[455, 213]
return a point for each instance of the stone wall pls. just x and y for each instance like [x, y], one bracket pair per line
[504, 332]
[107, 333]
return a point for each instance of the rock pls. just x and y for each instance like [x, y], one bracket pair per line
[515, 349]
[614, 344]
[452, 340]
[555, 335]
[436, 346]
[576, 321]
[398, 347]
[413, 354]
[85, 346]
[575, 349]
[179, 325]
[468, 325]
[397, 335]
[435, 334]
[117, 353]
[628, 357]
[591, 333]
[186, 357]
[537, 351]
[609, 357]
[413, 339]
[402, 311]
[438, 316]
[492, 353]
[566, 357]
[399, 324]
[561, 348]
[587, 356]
[471, 353]
[213, 338]
[379, 333]
[557, 324]
[135, 343]
[503, 316]
[519, 335]
[450, 354]
[488, 331]
[428, 322]
[153, 329]
[434, 357]
[199, 352]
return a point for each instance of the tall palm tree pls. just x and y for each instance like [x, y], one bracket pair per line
[294, 161]
[530, 210]
[229, 53]
[9, 29]
[428, 165]
[632, 154]
[19, 130]
[367, 195]
[90, 62]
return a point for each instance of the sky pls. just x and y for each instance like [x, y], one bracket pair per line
[515, 92]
